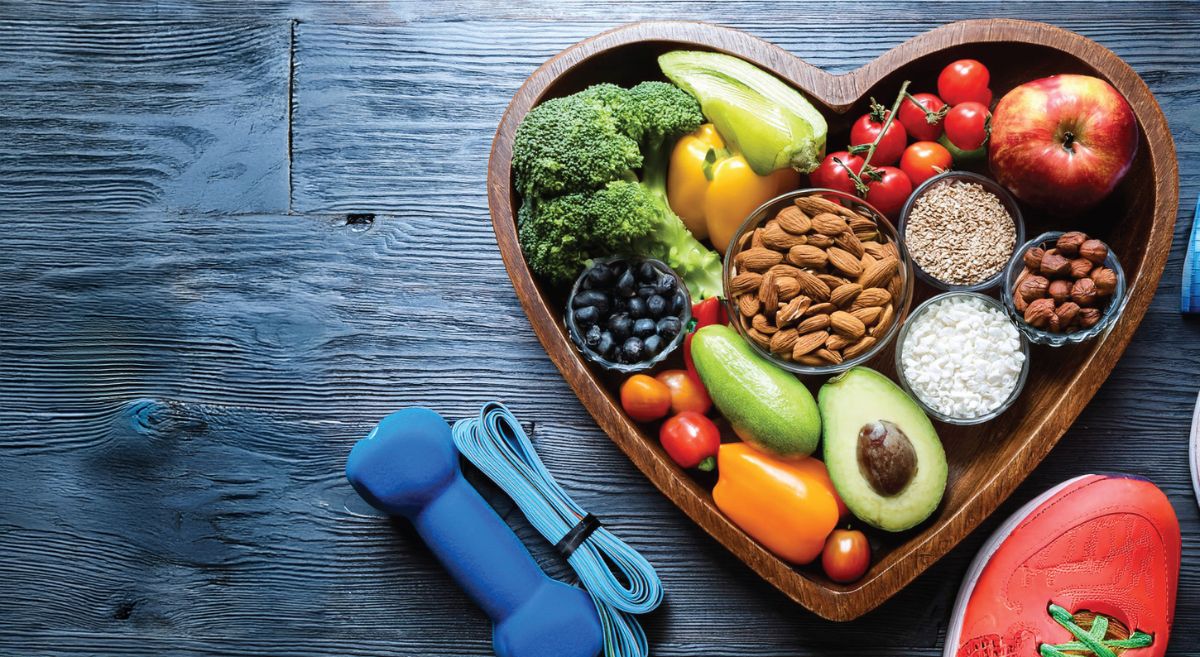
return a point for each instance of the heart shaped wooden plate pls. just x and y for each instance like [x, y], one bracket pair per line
[986, 462]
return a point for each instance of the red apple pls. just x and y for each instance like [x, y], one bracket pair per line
[1062, 143]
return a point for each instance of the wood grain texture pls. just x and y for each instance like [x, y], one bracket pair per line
[1061, 381]
[96, 562]
[143, 114]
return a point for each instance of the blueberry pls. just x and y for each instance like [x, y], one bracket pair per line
[644, 327]
[637, 308]
[605, 346]
[656, 305]
[591, 298]
[626, 284]
[678, 303]
[592, 337]
[668, 327]
[587, 315]
[652, 344]
[620, 325]
[647, 272]
[632, 350]
[600, 275]
[647, 291]
[665, 285]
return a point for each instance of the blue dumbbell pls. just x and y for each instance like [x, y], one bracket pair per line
[408, 466]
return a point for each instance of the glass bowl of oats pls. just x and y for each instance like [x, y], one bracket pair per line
[960, 229]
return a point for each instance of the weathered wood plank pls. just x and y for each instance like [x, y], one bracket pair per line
[144, 114]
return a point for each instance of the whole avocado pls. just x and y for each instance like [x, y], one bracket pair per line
[768, 407]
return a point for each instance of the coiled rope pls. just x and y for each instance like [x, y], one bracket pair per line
[498, 446]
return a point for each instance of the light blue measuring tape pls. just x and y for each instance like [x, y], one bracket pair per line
[1189, 297]
[498, 446]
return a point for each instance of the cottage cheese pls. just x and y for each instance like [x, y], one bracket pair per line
[962, 357]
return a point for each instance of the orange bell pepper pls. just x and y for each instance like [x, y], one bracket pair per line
[713, 190]
[788, 506]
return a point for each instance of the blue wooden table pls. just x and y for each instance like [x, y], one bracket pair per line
[234, 235]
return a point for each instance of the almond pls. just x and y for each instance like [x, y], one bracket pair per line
[859, 223]
[746, 281]
[787, 287]
[844, 295]
[844, 261]
[831, 357]
[885, 319]
[813, 205]
[814, 323]
[837, 342]
[775, 237]
[758, 259]
[871, 297]
[850, 243]
[858, 348]
[748, 305]
[768, 294]
[783, 341]
[866, 260]
[811, 361]
[792, 311]
[867, 316]
[794, 221]
[759, 339]
[763, 325]
[867, 237]
[878, 274]
[821, 309]
[832, 281]
[756, 238]
[846, 324]
[894, 287]
[811, 286]
[809, 342]
[876, 250]
[806, 255]
[829, 224]
[820, 241]
[783, 269]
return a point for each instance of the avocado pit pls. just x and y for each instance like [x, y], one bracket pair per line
[886, 457]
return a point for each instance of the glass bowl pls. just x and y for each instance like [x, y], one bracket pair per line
[888, 232]
[576, 333]
[903, 378]
[1038, 336]
[1006, 199]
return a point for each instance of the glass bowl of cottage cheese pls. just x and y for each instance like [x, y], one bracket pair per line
[962, 358]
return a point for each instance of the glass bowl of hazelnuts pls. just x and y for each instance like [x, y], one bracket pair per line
[1064, 288]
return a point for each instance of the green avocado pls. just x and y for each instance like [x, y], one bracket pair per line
[768, 407]
[883, 454]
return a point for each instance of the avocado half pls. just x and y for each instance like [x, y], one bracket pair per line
[862, 398]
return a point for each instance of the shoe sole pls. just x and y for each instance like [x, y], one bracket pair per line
[993, 543]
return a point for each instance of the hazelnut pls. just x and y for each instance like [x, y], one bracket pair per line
[1067, 314]
[1039, 312]
[1081, 267]
[1033, 287]
[1105, 280]
[1083, 292]
[1060, 291]
[1033, 258]
[1094, 250]
[1088, 317]
[1054, 265]
[1068, 244]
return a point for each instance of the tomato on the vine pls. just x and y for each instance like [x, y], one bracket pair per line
[691, 440]
[924, 160]
[645, 399]
[846, 556]
[687, 394]
[915, 112]
[965, 80]
[967, 125]
[833, 172]
[869, 126]
[889, 193]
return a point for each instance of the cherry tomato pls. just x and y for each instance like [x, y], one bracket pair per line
[867, 128]
[846, 555]
[889, 194]
[913, 115]
[967, 125]
[924, 160]
[644, 398]
[691, 440]
[832, 175]
[686, 393]
[965, 81]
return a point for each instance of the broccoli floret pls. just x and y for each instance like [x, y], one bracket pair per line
[569, 145]
[582, 200]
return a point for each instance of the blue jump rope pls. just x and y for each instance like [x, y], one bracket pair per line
[408, 466]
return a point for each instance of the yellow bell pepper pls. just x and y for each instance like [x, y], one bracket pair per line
[788, 506]
[713, 190]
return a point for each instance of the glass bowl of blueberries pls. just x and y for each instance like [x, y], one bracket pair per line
[627, 314]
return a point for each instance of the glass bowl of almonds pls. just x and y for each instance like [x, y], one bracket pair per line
[817, 282]
[1064, 288]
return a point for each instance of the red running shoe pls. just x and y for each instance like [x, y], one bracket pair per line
[1089, 568]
